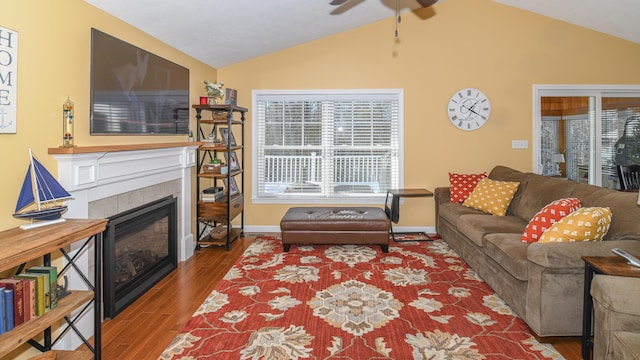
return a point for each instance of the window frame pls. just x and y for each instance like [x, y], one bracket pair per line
[353, 198]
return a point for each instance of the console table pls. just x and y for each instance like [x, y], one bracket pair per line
[20, 246]
[393, 209]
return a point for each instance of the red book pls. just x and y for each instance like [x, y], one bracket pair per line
[19, 313]
[29, 286]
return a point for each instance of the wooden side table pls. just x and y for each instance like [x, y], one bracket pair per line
[605, 265]
[393, 209]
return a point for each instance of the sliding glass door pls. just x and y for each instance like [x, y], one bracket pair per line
[583, 132]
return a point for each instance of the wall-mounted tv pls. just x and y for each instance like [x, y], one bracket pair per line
[134, 91]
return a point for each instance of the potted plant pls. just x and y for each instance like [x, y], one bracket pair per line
[215, 166]
[190, 136]
[214, 91]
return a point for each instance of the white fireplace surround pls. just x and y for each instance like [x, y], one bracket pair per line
[105, 180]
[110, 171]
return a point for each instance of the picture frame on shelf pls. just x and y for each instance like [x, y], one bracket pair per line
[231, 96]
[231, 185]
[232, 161]
[227, 136]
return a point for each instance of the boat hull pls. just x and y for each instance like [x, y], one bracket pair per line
[44, 214]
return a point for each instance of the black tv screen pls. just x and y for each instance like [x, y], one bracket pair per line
[134, 91]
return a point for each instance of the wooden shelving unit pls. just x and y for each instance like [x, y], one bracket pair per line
[20, 246]
[212, 214]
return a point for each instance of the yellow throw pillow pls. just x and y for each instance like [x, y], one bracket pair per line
[492, 196]
[584, 224]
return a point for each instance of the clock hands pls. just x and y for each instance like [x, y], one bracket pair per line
[471, 109]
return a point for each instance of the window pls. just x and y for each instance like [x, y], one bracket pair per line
[333, 146]
[583, 132]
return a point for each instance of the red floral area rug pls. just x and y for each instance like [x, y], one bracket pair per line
[418, 301]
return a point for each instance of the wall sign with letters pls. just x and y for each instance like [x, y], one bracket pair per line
[8, 80]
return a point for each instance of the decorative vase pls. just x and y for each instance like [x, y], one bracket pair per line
[213, 100]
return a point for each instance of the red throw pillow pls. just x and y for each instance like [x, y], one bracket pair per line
[548, 216]
[461, 185]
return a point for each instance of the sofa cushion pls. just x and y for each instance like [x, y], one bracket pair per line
[548, 216]
[584, 224]
[452, 212]
[540, 191]
[508, 251]
[475, 227]
[461, 185]
[504, 173]
[492, 196]
[624, 209]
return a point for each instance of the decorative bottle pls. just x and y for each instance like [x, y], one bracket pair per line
[67, 123]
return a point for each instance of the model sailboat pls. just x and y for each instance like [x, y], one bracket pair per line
[41, 197]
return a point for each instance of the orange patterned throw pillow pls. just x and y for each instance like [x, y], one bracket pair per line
[548, 216]
[461, 185]
[492, 196]
[584, 224]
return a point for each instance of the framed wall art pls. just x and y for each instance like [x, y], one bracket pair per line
[8, 80]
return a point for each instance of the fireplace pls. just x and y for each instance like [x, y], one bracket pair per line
[140, 248]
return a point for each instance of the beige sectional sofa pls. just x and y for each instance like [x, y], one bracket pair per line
[542, 282]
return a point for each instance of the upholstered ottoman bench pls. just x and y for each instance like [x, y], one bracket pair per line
[335, 225]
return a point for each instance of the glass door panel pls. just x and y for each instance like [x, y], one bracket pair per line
[620, 136]
[585, 138]
[567, 136]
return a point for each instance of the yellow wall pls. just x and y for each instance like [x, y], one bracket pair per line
[454, 44]
[54, 62]
[460, 43]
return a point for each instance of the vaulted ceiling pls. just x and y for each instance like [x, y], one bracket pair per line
[238, 30]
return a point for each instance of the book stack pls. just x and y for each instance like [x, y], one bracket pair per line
[27, 296]
[212, 194]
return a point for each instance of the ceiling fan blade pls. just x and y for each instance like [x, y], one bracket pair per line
[426, 3]
[337, 2]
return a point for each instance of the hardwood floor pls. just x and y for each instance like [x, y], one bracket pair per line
[144, 329]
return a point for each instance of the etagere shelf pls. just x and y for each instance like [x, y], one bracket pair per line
[21, 246]
[219, 214]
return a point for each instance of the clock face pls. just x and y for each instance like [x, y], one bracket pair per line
[469, 109]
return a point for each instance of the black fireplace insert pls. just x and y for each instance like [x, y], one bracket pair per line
[140, 248]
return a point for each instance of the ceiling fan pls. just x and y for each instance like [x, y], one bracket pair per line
[423, 3]
[343, 4]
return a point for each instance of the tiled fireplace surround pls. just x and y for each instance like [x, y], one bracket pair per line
[107, 180]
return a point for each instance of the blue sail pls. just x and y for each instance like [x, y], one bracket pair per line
[26, 193]
[47, 189]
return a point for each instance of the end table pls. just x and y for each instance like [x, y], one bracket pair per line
[393, 209]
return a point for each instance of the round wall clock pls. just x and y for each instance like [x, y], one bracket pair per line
[469, 109]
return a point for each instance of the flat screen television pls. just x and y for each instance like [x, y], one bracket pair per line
[134, 91]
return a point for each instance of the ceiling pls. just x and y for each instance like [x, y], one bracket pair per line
[223, 32]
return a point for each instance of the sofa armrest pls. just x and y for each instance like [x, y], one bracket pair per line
[442, 195]
[616, 308]
[569, 255]
[617, 293]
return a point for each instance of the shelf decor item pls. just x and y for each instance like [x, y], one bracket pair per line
[41, 197]
[227, 136]
[67, 124]
[214, 91]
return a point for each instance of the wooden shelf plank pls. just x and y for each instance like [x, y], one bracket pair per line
[19, 246]
[21, 334]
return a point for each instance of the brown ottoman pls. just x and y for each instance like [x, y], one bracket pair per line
[335, 225]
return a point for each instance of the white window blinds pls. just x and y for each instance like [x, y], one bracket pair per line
[326, 145]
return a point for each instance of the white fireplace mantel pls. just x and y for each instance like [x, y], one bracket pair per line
[98, 172]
